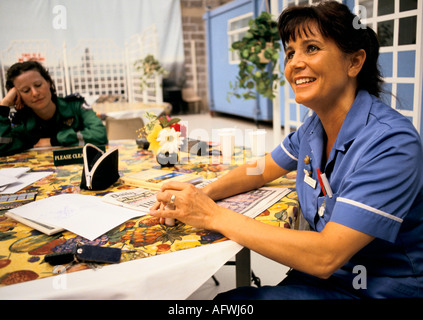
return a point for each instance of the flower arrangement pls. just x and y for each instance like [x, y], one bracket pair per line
[164, 134]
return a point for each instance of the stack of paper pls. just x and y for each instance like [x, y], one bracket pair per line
[84, 215]
[14, 179]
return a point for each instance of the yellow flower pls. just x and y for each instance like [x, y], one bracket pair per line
[152, 138]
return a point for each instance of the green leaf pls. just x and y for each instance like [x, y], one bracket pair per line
[245, 53]
[268, 54]
[173, 121]
[248, 35]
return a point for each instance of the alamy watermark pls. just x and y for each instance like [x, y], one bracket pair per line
[60, 21]
[359, 21]
[360, 280]
[235, 147]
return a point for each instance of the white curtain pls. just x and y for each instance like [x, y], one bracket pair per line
[69, 21]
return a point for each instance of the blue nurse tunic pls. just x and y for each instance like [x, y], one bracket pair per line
[375, 171]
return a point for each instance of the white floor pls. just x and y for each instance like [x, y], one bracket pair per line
[269, 272]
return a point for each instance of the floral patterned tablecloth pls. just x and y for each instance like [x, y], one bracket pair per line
[22, 249]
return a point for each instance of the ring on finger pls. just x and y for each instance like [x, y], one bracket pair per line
[172, 199]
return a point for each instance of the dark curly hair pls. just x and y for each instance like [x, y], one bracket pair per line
[337, 22]
[21, 67]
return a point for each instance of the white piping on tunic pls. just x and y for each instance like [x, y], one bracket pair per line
[286, 151]
[368, 208]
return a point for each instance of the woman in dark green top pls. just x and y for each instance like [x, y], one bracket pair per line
[43, 119]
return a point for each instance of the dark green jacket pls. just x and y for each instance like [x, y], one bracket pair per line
[73, 124]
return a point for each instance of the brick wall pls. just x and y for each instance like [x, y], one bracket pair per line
[194, 30]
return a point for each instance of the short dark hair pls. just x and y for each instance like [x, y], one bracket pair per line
[21, 67]
[335, 20]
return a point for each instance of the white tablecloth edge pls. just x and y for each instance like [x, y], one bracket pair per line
[170, 276]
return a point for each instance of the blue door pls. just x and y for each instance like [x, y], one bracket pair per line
[224, 25]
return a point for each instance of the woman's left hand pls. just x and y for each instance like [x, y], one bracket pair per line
[192, 206]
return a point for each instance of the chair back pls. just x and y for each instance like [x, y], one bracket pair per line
[118, 129]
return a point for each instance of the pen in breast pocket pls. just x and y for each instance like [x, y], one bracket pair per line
[319, 177]
[326, 186]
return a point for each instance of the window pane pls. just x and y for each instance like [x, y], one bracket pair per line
[385, 7]
[406, 63]
[406, 5]
[385, 62]
[385, 33]
[386, 95]
[407, 30]
[405, 94]
[236, 30]
[368, 4]
[238, 24]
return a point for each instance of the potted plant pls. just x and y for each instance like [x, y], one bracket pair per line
[150, 66]
[259, 51]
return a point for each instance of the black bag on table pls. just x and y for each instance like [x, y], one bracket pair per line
[101, 169]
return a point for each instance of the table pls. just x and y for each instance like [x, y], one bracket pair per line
[160, 261]
[127, 110]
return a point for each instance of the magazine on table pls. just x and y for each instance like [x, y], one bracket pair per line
[250, 203]
[137, 199]
[155, 178]
[254, 202]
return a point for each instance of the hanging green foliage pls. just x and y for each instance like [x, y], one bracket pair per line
[259, 52]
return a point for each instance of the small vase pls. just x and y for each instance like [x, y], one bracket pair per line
[167, 159]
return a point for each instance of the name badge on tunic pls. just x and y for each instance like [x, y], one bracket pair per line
[307, 173]
[310, 181]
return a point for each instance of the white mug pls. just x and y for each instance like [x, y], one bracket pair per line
[258, 142]
[227, 144]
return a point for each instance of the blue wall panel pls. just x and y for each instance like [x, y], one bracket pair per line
[221, 72]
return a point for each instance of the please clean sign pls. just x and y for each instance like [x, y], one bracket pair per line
[62, 157]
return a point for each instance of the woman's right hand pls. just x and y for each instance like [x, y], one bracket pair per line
[12, 98]
[191, 205]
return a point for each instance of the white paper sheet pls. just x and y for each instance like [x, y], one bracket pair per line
[87, 216]
[11, 175]
[24, 180]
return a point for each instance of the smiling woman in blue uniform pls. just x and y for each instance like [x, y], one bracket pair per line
[366, 208]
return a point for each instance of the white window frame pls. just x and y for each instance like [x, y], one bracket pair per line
[233, 55]
[415, 113]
